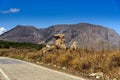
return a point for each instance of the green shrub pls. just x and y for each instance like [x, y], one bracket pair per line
[7, 45]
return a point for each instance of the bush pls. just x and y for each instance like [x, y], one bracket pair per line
[115, 60]
[74, 64]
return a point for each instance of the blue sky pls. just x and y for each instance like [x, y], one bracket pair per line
[44, 13]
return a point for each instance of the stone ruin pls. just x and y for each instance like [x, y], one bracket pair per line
[60, 41]
[59, 44]
[74, 46]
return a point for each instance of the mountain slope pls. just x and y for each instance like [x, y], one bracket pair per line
[22, 34]
[87, 35]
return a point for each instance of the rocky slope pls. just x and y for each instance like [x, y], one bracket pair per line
[87, 35]
[22, 34]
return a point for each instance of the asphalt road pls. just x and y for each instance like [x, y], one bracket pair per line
[13, 69]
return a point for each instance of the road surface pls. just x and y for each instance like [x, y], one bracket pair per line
[13, 69]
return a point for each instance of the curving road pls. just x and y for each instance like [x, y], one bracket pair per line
[13, 69]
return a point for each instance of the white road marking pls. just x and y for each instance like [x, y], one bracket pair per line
[5, 76]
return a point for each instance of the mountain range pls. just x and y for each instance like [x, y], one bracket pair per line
[88, 36]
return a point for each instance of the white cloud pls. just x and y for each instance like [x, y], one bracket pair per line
[14, 10]
[11, 10]
[2, 30]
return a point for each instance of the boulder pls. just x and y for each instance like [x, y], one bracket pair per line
[98, 75]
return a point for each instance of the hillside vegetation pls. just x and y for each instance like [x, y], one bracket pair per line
[22, 45]
[80, 62]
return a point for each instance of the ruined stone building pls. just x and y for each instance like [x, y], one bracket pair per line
[74, 46]
[60, 41]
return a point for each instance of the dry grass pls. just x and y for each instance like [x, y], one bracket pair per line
[78, 61]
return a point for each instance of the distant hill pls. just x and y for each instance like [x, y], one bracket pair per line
[22, 34]
[88, 36]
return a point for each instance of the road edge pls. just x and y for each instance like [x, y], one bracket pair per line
[72, 76]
